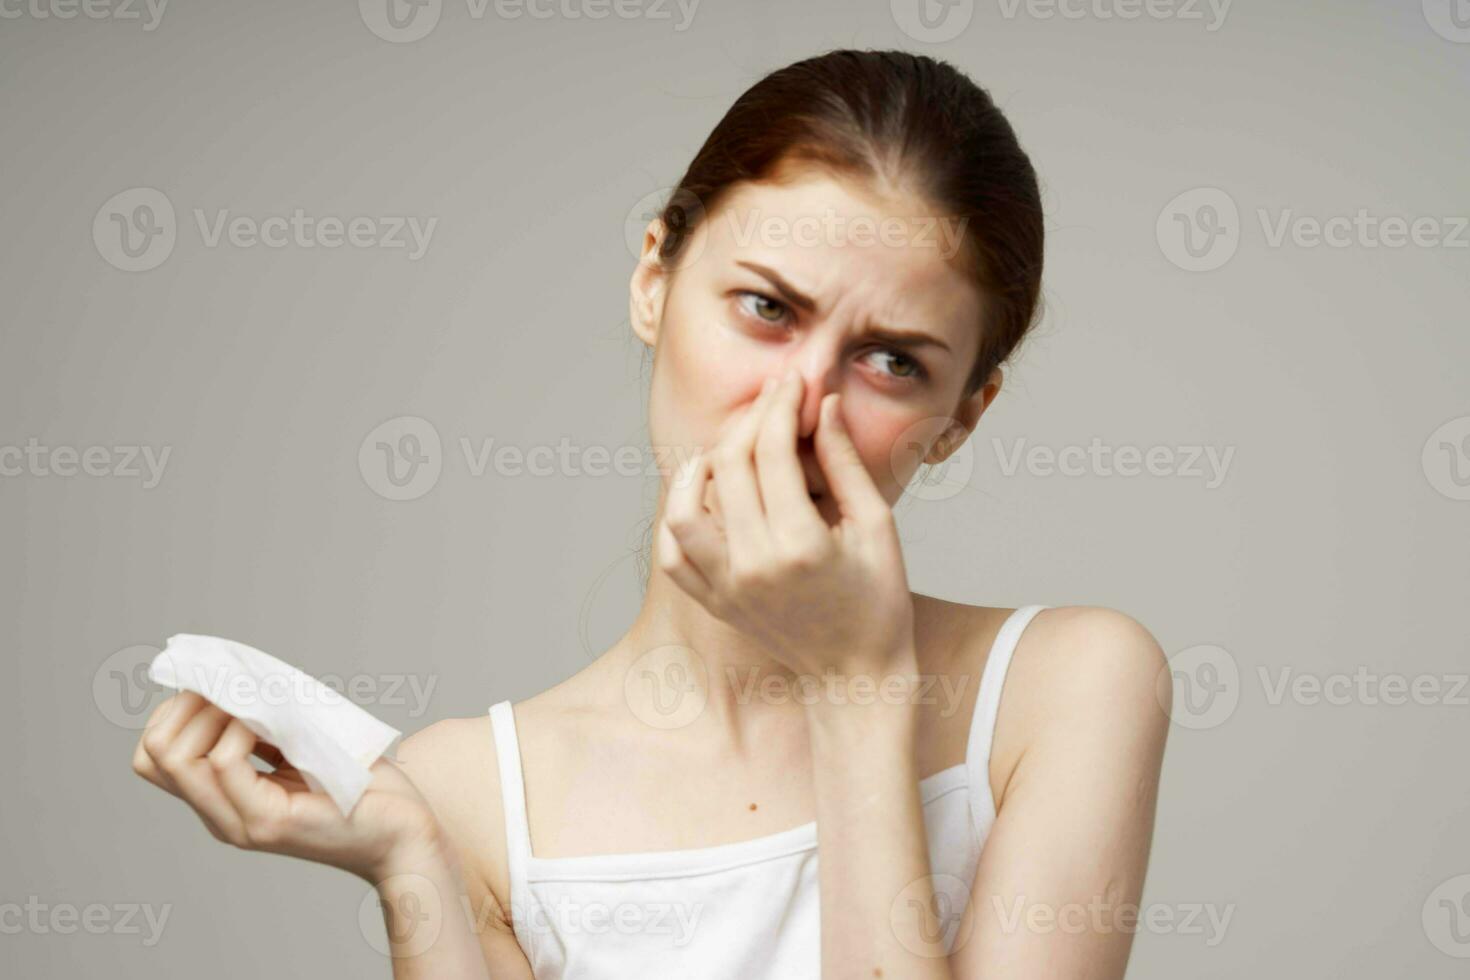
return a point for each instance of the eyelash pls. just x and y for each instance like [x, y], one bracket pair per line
[920, 372]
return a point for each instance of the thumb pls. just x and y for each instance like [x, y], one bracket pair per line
[847, 477]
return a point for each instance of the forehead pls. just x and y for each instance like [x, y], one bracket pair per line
[885, 255]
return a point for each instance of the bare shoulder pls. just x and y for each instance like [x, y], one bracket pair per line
[1086, 652]
[1081, 675]
[453, 763]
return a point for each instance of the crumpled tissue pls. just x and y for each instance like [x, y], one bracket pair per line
[332, 741]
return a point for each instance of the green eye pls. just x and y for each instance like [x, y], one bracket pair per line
[772, 312]
[916, 370]
[764, 304]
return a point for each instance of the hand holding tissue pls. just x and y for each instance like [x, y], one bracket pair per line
[331, 741]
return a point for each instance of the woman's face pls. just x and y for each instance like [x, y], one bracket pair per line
[859, 292]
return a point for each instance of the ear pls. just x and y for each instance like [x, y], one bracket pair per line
[965, 418]
[649, 286]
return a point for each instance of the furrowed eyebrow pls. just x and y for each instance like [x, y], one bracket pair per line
[788, 292]
[794, 296]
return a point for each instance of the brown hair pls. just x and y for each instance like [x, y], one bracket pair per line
[905, 119]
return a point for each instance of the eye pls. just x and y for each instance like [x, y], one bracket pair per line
[915, 370]
[773, 312]
[762, 305]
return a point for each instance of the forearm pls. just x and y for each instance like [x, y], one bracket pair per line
[429, 933]
[877, 897]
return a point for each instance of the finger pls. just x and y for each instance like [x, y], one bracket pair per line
[182, 702]
[202, 731]
[789, 509]
[700, 545]
[168, 718]
[255, 798]
[158, 738]
[188, 771]
[733, 465]
[678, 567]
[851, 485]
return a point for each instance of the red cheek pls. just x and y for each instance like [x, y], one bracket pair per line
[875, 434]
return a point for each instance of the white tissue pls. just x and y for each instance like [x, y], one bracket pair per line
[332, 741]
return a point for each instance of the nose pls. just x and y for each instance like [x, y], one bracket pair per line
[819, 376]
[817, 357]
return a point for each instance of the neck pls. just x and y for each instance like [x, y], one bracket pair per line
[684, 651]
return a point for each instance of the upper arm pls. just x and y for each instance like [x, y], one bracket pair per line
[1063, 868]
[452, 762]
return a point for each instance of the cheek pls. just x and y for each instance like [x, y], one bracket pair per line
[876, 435]
[704, 373]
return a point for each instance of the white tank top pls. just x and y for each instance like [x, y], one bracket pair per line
[742, 911]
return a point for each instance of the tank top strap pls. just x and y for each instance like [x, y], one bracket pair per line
[987, 707]
[512, 796]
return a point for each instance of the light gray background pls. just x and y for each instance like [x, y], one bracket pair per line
[1334, 545]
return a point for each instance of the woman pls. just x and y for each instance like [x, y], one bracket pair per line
[862, 231]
